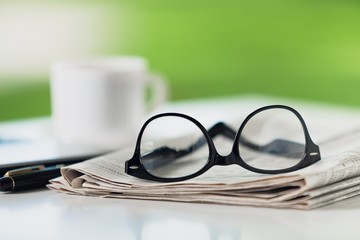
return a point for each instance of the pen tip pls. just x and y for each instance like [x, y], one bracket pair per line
[6, 184]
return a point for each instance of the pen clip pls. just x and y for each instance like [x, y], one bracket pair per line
[24, 170]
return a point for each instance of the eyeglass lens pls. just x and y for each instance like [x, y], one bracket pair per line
[173, 146]
[272, 139]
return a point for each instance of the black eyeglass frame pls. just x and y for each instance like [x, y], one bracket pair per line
[134, 166]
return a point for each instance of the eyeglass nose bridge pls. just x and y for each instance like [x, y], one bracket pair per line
[225, 160]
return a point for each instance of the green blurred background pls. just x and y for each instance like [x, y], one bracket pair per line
[301, 49]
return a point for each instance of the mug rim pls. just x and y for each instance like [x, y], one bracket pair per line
[125, 63]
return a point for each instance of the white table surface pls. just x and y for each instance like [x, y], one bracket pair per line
[43, 214]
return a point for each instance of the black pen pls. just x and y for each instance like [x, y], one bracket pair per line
[28, 178]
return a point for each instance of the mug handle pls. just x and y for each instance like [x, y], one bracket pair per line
[159, 90]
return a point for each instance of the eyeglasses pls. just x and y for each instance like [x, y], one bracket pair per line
[175, 147]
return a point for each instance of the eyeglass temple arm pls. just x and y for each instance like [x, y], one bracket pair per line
[277, 147]
[164, 155]
[219, 128]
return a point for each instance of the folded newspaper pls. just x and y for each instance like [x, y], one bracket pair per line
[334, 178]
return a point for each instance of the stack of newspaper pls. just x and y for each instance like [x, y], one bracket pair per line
[334, 178]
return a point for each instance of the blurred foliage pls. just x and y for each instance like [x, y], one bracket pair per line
[30, 99]
[301, 49]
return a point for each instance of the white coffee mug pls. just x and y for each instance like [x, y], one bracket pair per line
[101, 101]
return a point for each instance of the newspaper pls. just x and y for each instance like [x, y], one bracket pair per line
[334, 178]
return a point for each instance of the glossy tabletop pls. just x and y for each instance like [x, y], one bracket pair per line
[44, 214]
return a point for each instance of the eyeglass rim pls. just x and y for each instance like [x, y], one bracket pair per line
[310, 147]
[143, 173]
